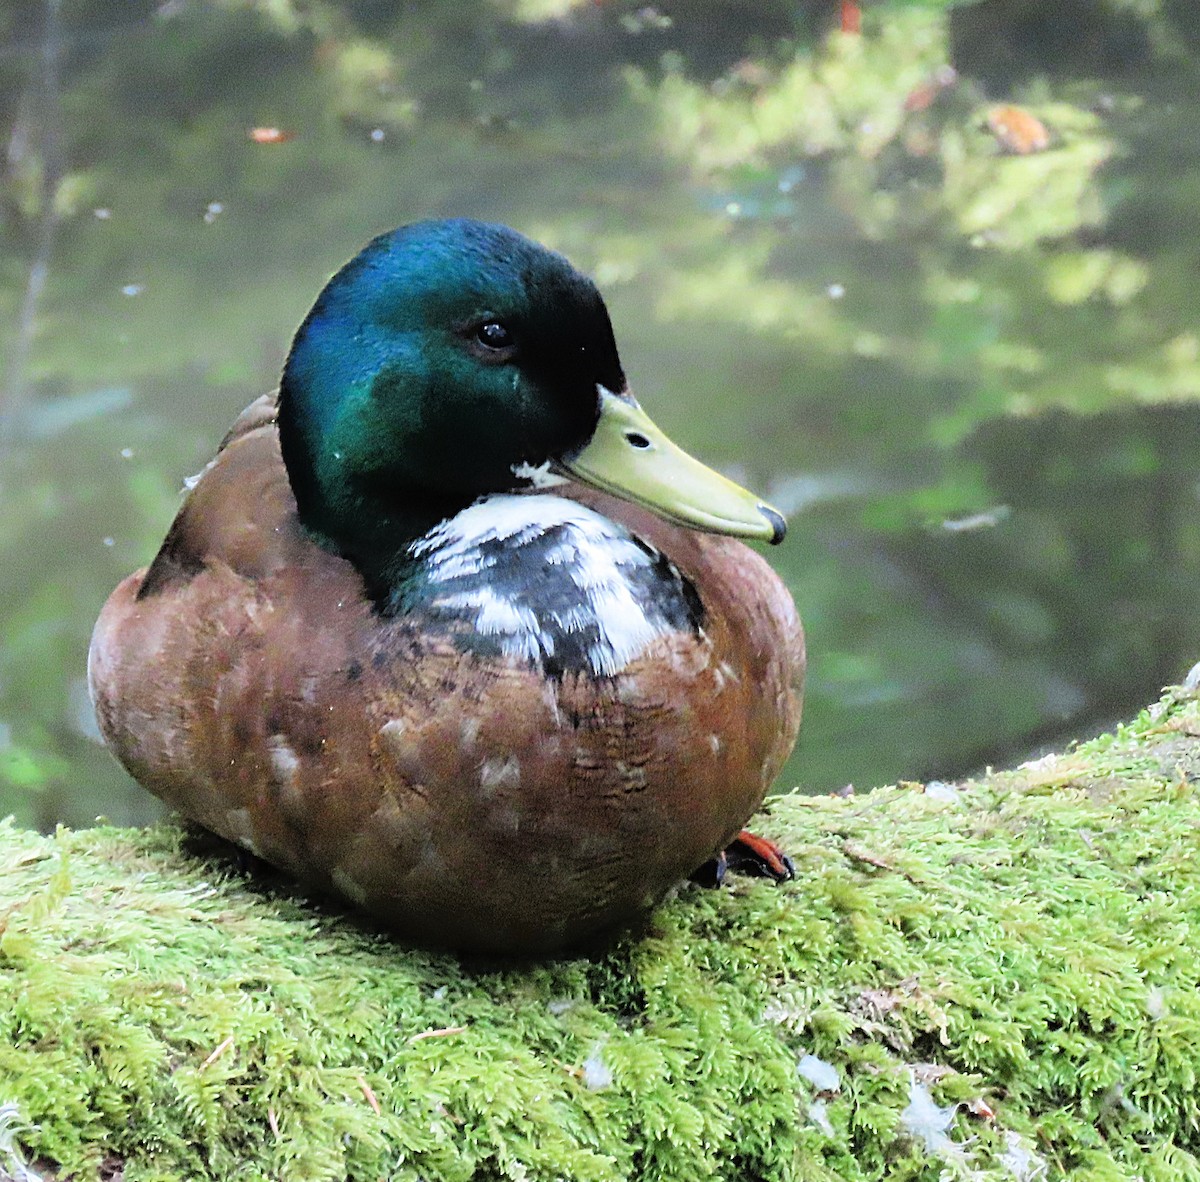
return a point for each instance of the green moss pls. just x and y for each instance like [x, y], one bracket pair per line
[1020, 951]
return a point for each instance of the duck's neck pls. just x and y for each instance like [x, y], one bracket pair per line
[367, 516]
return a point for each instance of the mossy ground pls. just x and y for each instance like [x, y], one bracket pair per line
[1025, 948]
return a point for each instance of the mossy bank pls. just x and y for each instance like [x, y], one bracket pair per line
[992, 980]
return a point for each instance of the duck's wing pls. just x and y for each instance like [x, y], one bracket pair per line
[239, 510]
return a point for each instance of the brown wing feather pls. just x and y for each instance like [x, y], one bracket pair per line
[467, 801]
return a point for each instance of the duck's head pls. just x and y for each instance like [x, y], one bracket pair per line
[451, 359]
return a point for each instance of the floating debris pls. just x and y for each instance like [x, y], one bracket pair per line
[102, 214]
[378, 135]
[270, 135]
[1017, 131]
[986, 519]
[133, 289]
[212, 211]
[835, 291]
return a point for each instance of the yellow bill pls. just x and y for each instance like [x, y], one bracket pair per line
[631, 458]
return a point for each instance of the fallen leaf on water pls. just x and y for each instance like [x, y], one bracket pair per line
[1018, 131]
[270, 135]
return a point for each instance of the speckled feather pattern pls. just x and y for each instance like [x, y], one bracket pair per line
[465, 798]
[549, 581]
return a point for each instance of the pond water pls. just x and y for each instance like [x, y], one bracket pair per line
[932, 288]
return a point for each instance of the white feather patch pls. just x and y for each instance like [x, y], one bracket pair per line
[597, 555]
[539, 476]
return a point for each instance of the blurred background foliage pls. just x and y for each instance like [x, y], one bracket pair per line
[932, 286]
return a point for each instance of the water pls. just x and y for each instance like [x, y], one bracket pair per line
[972, 377]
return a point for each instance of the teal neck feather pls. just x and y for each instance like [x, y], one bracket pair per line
[395, 410]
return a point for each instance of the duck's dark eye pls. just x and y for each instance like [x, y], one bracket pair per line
[493, 335]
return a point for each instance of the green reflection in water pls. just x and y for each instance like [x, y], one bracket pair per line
[826, 275]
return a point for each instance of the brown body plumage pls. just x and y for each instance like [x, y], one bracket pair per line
[248, 681]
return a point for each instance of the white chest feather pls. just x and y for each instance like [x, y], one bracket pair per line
[545, 579]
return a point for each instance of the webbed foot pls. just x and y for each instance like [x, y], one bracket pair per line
[746, 854]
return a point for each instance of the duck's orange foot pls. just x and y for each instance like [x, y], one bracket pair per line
[746, 854]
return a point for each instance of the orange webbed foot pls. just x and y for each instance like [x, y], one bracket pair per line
[746, 854]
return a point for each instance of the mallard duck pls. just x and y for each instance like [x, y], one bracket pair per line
[449, 628]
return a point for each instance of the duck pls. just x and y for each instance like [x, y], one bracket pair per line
[449, 629]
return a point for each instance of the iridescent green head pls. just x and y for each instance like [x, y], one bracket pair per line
[451, 359]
